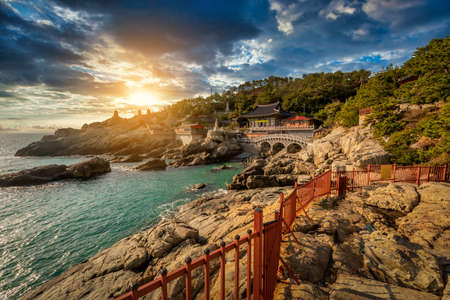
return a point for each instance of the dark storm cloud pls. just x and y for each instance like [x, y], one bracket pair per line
[195, 30]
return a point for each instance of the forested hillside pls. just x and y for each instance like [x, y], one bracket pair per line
[306, 95]
[412, 120]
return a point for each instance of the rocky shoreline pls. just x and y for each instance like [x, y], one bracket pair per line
[385, 237]
[199, 225]
[44, 174]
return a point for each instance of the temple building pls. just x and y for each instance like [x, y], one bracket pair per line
[272, 119]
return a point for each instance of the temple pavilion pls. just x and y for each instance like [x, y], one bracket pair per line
[272, 119]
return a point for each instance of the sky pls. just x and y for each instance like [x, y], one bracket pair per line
[70, 62]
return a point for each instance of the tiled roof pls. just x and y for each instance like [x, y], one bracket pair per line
[267, 110]
[299, 118]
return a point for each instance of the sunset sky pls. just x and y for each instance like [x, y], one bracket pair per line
[68, 62]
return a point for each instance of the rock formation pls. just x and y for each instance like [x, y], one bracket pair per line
[43, 174]
[152, 164]
[115, 136]
[341, 149]
[390, 240]
[218, 146]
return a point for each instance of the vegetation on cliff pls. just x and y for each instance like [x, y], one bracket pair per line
[306, 95]
[412, 120]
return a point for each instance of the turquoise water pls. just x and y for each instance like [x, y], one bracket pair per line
[46, 229]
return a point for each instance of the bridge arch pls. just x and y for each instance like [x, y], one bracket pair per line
[277, 147]
[293, 148]
[264, 147]
[285, 139]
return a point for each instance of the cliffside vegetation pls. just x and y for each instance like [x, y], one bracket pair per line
[306, 95]
[412, 120]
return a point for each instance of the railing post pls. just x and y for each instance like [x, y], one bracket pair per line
[444, 174]
[188, 278]
[236, 267]
[368, 175]
[418, 175]
[393, 172]
[314, 186]
[249, 261]
[282, 211]
[206, 271]
[134, 294]
[428, 173]
[164, 283]
[222, 271]
[353, 177]
[257, 256]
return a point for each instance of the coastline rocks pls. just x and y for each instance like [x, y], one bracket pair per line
[198, 186]
[43, 174]
[91, 168]
[199, 225]
[128, 159]
[401, 197]
[152, 164]
[115, 136]
[353, 147]
[218, 146]
[392, 259]
[428, 224]
[309, 260]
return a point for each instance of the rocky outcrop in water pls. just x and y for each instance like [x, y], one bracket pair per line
[44, 174]
[152, 164]
[115, 136]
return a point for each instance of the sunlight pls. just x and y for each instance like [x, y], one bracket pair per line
[143, 99]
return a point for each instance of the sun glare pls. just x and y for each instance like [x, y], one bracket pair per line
[143, 99]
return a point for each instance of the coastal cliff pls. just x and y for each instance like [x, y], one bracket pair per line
[115, 136]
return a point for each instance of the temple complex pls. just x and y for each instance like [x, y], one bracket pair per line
[272, 119]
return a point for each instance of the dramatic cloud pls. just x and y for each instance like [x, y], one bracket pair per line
[63, 62]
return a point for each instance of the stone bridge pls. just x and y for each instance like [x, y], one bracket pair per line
[276, 142]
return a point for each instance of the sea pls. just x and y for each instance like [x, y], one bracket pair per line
[46, 229]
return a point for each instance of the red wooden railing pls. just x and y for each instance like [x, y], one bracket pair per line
[264, 243]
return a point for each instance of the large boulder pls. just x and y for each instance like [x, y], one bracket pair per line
[401, 197]
[168, 235]
[91, 168]
[152, 164]
[322, 150]
[393, 259]
[309, 260]
[428, 224]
